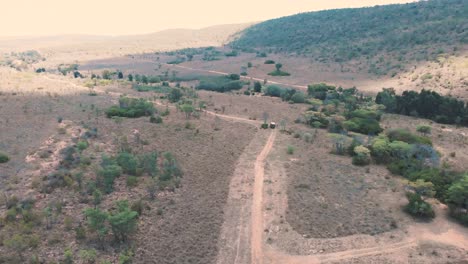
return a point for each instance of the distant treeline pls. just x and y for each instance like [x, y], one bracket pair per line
[426, 104]
[386, 36]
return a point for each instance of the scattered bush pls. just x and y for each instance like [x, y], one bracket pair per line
[156, 119]
[128, 162]
[132, 181]
[88, 256]
[290, 150]
[4, 157]
[82, 145]
[424, 129]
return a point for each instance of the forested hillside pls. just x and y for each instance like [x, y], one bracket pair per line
[385, 36]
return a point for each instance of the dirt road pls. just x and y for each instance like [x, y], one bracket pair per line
[257, 202]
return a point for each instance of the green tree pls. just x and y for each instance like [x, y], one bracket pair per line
[418, 207]
[123, 222]
[457, 193]
[257, 87]
[187, 109]
[128, 162]
[278, 66]
[96, 220]
[130, 78]
[97, 197]
[144, 79]
[175, 95]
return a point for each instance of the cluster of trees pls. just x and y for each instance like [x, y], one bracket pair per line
[421, 29]
[162, 167]
[220, 83]
[286, 94]
[427, 104]
[131, 107]
[363, 121]
[122, 221]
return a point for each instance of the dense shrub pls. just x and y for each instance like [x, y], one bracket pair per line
[380, 149]
[107, 175]
[82, 145]
[273, 90]
[317, 120]
[175, 95]
[363, 126]
[269, 62]
[320, 90]
[219, 84]
[4, 157]
[156, 119]
[457, 196]
[362, 156]
[128, 162]
[418, 207]
[298, 98]
[408, 137]
[424, 129]
[365, 114]
[131, 107]
[234, 77]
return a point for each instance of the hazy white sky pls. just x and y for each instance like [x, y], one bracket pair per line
[118, 17]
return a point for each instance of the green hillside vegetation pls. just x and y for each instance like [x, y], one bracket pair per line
[409, 32]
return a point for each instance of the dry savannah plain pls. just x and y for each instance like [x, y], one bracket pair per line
[245, 143]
